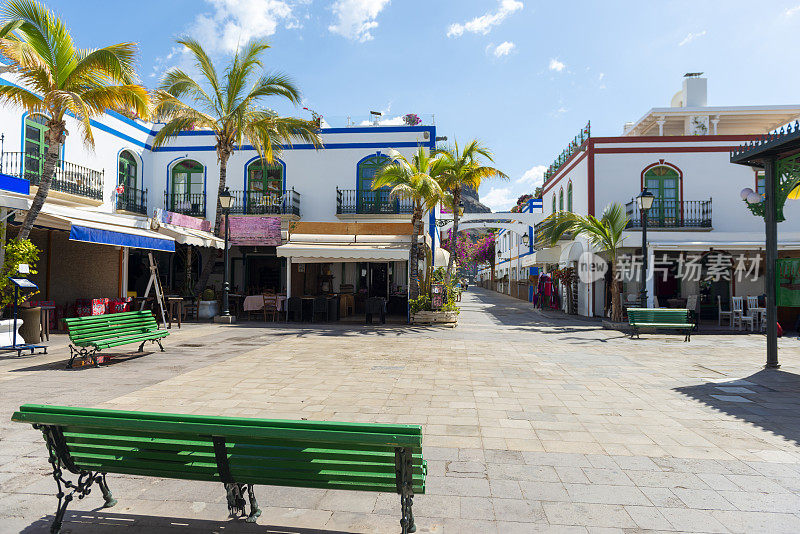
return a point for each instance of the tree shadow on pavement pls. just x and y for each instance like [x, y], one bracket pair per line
[769, 399]
[103, 522]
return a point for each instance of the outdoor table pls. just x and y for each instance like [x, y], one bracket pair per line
[174, 304]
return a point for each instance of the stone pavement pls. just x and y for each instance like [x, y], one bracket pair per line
[531, 424]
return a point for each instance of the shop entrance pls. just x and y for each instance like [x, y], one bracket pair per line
[263, 274]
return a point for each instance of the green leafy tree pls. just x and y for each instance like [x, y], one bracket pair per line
[17, 251]
[459, 169]
[412, 180]
[605, 234]
[231, 107]
[58, 79]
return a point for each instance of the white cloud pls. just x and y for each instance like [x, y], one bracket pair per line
[484, 23]
[503, 49]
[556, 65]
[792, 11]
[234, 22]
[499, 199]
[533, 177]
[691, 37]
[356, 18]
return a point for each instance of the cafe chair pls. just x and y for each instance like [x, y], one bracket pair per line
[722, 314]
[270, 306]
[320, 307]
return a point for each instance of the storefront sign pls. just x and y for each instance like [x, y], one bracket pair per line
[255, 231]
[788, 282]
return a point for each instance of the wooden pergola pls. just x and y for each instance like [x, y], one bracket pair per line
[778, 154]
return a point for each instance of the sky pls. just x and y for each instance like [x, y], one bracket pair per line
[521, 76]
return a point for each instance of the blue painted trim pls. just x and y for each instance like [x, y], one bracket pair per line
[432, 232]
[324, 131]
[308, 146]
[15, 185]
[108, 237]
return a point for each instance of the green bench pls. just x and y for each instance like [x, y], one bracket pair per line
[88, 335]
[238, 452]
[662, 318]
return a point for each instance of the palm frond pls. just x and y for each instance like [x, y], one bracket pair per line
[204, 64]
[17, 96]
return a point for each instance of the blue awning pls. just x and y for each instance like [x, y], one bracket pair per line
[109, 237]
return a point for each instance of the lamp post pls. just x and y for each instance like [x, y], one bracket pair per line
[225, 201]
[525, 239]
[644, 201]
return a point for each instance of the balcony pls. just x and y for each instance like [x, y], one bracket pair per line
[193, 204]
[266, 203]
[368, 202]
[68, 178]
[133, 200]
[671, 214]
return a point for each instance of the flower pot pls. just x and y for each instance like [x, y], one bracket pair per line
[446, 318]
[207, 309]
[31, 329]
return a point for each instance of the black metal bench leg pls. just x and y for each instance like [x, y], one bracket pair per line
[407, 522]
[236, 502]
[255, 511]
[141, 347]
[109, 498]
[403, 482]
[160, 346]
[63, 502]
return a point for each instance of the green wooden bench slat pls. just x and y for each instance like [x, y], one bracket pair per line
[233, 430]
[220, 420]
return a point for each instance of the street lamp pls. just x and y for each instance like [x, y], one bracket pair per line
[225, 202]
[525, 239]
[644, 201]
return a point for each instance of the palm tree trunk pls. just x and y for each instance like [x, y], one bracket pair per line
[616, 309]
[202, 280]
[454, 233]
[54, 136]
[413, 262]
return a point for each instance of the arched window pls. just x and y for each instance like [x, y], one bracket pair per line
[561, 200]
[367, 169]
[188, 188]
[569, 197]
[127, 170]
[35, 144]
[554, 202]
[664, 183]
[265, 177]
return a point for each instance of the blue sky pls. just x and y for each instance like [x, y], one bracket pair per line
[521, 76]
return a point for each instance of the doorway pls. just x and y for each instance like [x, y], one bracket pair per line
[379, 278]
[263, 274]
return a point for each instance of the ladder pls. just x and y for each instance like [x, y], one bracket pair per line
[155, 282]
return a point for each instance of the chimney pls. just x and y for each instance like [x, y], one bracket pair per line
[695, 90]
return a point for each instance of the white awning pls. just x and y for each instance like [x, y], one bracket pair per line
[322, 248]
[94, 227]
[571, 252]
[189, 236]
[541, 257]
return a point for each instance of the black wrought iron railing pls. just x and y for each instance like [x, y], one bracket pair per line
[286, 202]
[193, 204]
[68, 177]
[672, 214]
[132, 199]
[356, 201]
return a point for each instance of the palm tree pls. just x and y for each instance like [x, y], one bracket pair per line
[231, 108]
[605, 235]
[463, 168]
[59, 79]
[412, 180]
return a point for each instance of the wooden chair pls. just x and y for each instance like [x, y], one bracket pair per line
[270, 306]
[320, 308]
[722, 314]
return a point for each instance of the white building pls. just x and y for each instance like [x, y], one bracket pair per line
[332, 229]
[681, 154]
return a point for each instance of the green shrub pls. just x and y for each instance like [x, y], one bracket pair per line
[17, 251]
[421, 303]
[209, 294]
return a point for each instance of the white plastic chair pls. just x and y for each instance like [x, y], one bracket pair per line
[752, 305]
[737, 310]
[723, 314]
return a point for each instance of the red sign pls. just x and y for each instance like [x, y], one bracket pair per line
[255, 231]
